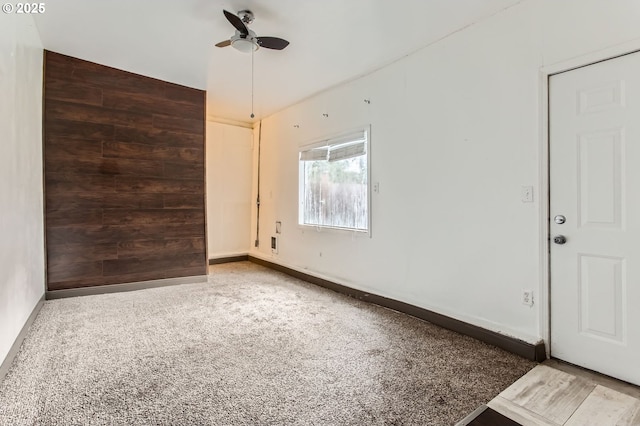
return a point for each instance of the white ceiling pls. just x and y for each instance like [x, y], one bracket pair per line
[332, 41]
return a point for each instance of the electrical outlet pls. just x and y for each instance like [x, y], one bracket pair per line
[527, 297]
[274, 245]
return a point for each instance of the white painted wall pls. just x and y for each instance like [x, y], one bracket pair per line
[456, 131]
[21, 217]
[229, 176]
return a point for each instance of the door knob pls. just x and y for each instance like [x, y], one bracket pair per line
[559, 239]
[559, 219]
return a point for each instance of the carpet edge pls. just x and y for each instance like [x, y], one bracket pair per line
[118, 288]
[472, 416]
[17, 343]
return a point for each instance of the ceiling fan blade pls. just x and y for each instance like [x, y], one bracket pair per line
[236, 22]
[272, 42]
[224, 43]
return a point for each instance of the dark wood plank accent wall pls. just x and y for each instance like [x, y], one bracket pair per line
[124, 176]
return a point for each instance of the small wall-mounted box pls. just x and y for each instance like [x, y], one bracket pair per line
[274, 245]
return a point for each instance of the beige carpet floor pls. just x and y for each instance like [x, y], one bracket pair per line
[250, 347]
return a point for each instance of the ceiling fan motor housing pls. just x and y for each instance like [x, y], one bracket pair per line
[246, 16]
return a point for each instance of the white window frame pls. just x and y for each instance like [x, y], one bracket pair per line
[335, 139]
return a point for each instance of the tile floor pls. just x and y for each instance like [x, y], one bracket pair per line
[558, 394]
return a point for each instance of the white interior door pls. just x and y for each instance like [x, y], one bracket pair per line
[595, 184]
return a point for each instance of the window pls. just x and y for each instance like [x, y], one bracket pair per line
[334, 183]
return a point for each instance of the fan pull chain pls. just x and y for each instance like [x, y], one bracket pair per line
[252, 81]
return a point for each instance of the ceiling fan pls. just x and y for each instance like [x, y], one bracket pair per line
[246, 40]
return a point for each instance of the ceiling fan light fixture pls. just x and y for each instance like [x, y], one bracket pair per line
[244, 45]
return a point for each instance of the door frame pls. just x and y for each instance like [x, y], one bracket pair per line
[544, 182]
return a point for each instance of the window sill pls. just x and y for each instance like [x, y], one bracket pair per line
[335, 230]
